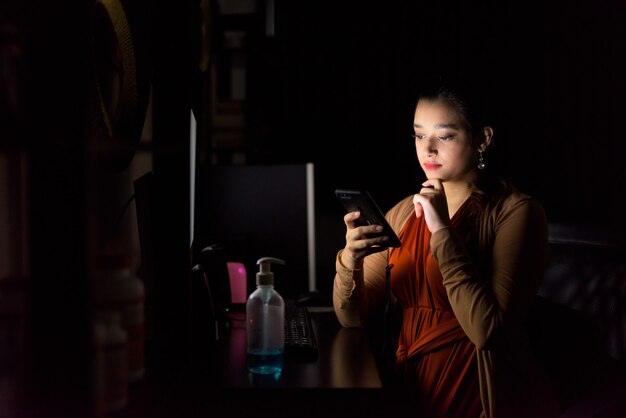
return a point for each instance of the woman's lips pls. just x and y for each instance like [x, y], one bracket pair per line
[431, 166]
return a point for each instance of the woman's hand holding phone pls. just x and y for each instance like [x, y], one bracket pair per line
[367, 229]
[359, 242]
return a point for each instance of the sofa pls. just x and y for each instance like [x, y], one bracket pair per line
[578, 323]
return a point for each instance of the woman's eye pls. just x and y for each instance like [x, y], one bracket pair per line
[418, 136]
[446, 137]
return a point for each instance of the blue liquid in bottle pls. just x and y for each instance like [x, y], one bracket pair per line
[270, 362]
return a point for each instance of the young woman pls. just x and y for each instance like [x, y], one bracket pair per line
[472, 257]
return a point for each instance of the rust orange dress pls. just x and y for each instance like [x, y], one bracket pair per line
[434, 353]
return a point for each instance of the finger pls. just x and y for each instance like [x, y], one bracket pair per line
[350, 219]
[424, 198]
[367, 243]
[364, 233]
[419, 210]
[427, 188]
[433, 183]
[371, 229]
[375, 250]
[377, 242]
[364, 251]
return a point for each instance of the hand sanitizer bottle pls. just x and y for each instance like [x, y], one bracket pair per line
[265, 323]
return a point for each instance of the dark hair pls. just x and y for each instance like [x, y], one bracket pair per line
[472, 99]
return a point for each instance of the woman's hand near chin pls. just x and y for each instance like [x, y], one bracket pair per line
[431, 203]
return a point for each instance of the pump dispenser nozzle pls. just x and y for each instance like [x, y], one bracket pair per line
[265, 275]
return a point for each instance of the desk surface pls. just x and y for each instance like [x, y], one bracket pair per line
[342, 382]
[345, 359]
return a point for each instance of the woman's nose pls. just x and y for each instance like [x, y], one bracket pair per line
[430, 145]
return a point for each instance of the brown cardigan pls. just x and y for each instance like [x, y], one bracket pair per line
[490, 298]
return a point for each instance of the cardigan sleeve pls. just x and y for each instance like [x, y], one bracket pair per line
[493, 301]
[359, 295]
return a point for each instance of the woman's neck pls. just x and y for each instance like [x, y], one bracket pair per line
[456, 195]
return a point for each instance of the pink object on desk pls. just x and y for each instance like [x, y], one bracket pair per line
[238, 278]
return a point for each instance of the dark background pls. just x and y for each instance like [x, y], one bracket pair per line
[344, 74]
[334, 86]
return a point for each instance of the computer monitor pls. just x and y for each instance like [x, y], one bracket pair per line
[254, 211]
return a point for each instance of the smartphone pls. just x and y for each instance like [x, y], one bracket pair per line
[353, 200]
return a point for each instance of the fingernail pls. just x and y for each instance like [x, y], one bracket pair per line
[379, 228]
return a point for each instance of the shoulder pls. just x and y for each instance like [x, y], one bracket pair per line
[499, 196]
[516, 207]
[516, 201]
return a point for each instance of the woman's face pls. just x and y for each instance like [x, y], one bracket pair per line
[443, 143]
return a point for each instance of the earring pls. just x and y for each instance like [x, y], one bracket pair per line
[481, 162]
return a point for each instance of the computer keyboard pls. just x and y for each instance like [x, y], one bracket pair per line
[300, 338]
